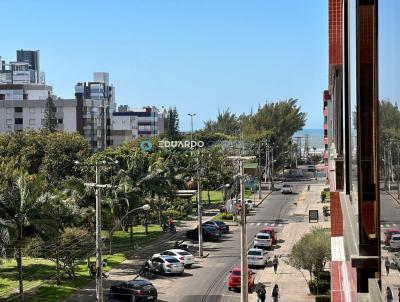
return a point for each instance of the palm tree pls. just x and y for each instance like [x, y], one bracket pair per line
[21, 207]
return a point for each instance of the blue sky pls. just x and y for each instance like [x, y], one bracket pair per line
[199, 56]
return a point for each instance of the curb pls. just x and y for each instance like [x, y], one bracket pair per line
[393, 197]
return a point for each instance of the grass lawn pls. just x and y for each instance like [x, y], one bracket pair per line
[39, 274]
[216, 198]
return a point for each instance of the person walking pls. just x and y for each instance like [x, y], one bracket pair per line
[275, 294]
[275, 263]
[261, 293]
[387, 266]
[389, 294]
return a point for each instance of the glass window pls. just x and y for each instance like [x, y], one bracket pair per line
[31, 110]
[60, 121]
[9, 121]
[18, 121]
[18, 109]
[9, 110]
[32, 121]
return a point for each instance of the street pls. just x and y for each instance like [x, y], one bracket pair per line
[207, 280]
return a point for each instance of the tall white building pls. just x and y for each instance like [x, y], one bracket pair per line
[95, 105]
[23, 97]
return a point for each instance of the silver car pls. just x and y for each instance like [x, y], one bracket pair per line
[257, 257]
[263, 240]
[167, 265]
[395, 241]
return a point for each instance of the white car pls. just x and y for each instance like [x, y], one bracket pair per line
[257, 257]
[286, 189]
[395, 241]
[183, 256]
[249, 204]
[263, 240]
[167, 265]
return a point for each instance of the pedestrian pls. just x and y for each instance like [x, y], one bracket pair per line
[275, 263]
[261, 293]
[308, 188]
[387, 266]
[275, 293]
[389, 294]
[92, 270]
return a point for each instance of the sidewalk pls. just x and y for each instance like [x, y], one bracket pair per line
[292, 283]
[127, 270]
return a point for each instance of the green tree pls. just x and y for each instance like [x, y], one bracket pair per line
[172, 124]
[226, 123]
[312, 251]
[21, 206]
[50, 119]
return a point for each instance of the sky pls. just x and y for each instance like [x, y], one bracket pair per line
[200, 56]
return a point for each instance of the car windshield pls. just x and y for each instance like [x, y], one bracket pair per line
[257, 253]
[396, 238]
[236, 273]
[263, 236]
[183, 253]
[220, 222]
[286, 186]
[147, 287]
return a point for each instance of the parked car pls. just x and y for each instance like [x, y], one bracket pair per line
[396, 260]
[263, 240]
[135, 290]
[271, 231]
[220, 225]
[257, 257]
[208, 234]
[167, 265]
[389, 233]
[183, 256]
[234, 279]
[395, 241]
[286, 189]
[249, 204]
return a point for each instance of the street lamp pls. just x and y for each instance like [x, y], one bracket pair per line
[191, 123]
[97, 185]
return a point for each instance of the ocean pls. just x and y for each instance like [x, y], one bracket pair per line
[315, 138]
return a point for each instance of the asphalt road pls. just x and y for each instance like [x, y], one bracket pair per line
[207, 280]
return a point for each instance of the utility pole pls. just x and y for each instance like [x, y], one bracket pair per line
[259, 170]
[99, 244]
[243, 240]
[191, 123]
[199, 209]
[398, 178]
[266, 160]
[272, 168]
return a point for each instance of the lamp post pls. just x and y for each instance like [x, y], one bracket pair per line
[97, 185]
[191, 123]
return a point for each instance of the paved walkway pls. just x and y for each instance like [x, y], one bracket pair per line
[292, 282]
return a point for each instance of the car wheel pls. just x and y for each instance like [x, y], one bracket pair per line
[162, 272]
[188, 265]
[229, 288]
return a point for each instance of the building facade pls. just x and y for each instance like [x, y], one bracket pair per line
[129, 124]
[23, 97]
[95, 104]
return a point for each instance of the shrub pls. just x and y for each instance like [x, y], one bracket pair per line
[226, 216]
[312, 285]
[174, 214]
[323, 298]
[323, 286]
[324, 275]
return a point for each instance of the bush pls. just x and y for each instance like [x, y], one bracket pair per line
[323, 286]
[226, 216]
[312, 285]
[322, 298]
[324, 275]
[174, 214]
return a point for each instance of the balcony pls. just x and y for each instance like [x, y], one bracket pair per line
[326, 112]
[325, 126]
[325, 141]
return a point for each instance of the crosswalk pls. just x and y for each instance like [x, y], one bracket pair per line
[271, 224]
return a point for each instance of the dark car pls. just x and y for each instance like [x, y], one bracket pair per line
[209, 234]
[213, 229]
[135, 290]
[220, 225]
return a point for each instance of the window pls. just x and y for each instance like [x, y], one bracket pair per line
[32, 121]
[18, 121]
[18, 109]
[31, 109]
[60, 121]
[9, 121]
[9, 110]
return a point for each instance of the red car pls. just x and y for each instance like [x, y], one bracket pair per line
[272, 233]
[234, 279]
[388, 235]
